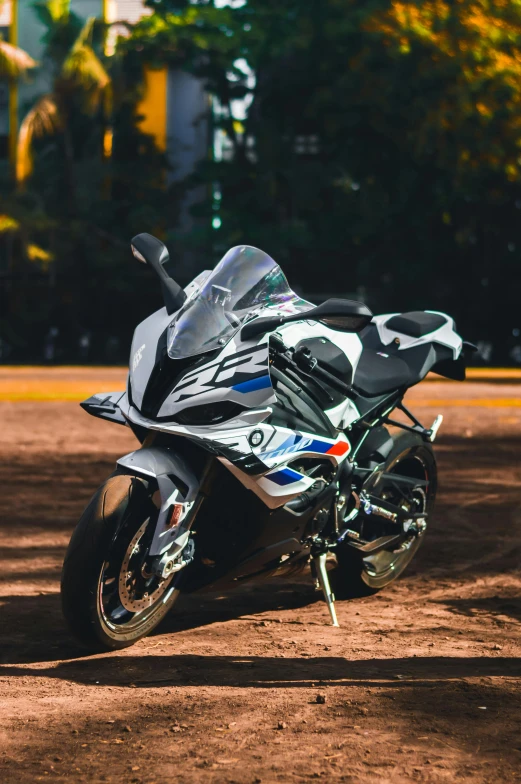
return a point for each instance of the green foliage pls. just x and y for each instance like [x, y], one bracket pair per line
[382, 148]
[380, 155]
[96, 180]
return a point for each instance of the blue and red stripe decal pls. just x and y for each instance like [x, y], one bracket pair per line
[286, 476]
[253, 384]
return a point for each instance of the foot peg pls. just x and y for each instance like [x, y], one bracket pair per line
[319, 562]
[435, 427]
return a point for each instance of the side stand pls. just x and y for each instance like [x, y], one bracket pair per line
[319, 563]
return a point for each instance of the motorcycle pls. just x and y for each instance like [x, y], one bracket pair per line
[264, 423]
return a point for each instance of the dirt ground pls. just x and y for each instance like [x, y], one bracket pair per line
[421, 682]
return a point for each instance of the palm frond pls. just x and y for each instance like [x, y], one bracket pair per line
[85, 36]
[82, 66]
[14, 62]
[39, 254]
[57, 10]
[8, 223]
[85, 68]
[43, 119]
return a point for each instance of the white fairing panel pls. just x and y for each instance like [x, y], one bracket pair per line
[347, 342]
[240, 374]
[143, 352]
[266, 448]
[445, 335]
[145, 341]
[343, 415]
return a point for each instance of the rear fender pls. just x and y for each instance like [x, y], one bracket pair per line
[178, 487]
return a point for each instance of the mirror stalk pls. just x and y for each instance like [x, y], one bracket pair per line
[153, 252]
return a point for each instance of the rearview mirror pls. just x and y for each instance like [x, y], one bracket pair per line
[344, 315]
[151, 251]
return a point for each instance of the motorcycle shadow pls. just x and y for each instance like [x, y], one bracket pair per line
[249, 599]
[194, 670]
[33, 629]
[503, 608]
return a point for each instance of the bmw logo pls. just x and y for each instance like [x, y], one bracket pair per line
[256, 438]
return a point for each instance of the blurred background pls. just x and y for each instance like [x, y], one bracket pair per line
[373, 149]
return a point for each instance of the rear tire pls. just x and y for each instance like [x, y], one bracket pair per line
[355, 576]
[105, 544]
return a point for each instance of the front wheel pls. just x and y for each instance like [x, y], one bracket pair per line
[109, 600]
[413, 459]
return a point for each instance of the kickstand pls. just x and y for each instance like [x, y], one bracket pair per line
[319, 562]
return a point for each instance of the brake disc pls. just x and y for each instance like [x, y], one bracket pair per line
[132, 579]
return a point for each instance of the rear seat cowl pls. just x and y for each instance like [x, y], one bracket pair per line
[416, 323]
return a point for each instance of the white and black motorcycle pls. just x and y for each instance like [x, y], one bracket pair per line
[265, 446]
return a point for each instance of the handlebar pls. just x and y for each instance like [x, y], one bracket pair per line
[310, 365]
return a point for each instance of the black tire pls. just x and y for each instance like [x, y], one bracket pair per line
[120, 511]
[355, 576]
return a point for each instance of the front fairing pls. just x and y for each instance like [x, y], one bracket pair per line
[243, 283]
[239, 374]
[144, 353]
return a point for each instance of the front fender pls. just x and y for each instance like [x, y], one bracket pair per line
[177, 485]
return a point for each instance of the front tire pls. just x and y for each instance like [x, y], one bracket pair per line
[356, 576]
[108, 599]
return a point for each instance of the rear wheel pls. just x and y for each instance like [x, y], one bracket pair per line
[413, 459]
[109, 600]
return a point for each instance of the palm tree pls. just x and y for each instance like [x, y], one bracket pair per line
[14, 62]
[78, 72]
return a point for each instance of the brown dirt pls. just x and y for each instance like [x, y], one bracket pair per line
[421, 682]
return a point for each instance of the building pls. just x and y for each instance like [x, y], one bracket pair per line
[175, 106]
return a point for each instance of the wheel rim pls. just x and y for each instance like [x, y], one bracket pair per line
[129, 600]
[384, 567]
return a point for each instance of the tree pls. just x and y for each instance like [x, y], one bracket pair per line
[381, 147]
[379, 155]
[14, 62]
[76, 207]
[78, 76]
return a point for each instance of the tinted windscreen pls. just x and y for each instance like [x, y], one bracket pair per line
[243, 282]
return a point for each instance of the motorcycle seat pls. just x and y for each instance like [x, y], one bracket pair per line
[385, 368]
[378, 372]
[416, 323]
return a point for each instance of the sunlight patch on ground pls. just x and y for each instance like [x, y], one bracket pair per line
[76, 383]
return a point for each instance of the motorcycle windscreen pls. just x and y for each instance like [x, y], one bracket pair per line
[245, 281]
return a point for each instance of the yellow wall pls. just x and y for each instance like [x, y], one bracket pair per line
[153, 106]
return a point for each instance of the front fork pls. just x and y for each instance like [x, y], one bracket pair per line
[180, 496]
